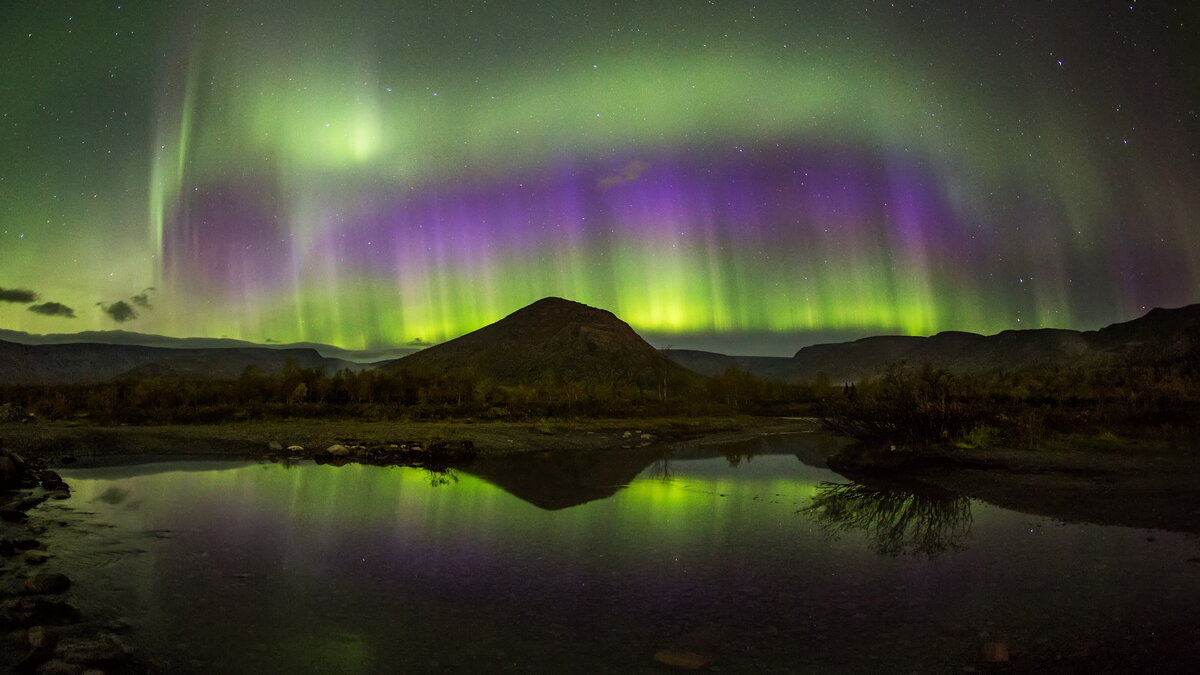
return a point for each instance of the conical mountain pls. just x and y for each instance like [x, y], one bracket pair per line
[551, 341]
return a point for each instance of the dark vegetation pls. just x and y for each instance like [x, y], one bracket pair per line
[382, 394]
[1152, 400]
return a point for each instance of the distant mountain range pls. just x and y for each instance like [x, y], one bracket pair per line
[556, 340]
[1160, 334]
[122, 337]
[90, 363]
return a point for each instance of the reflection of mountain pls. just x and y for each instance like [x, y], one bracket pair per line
[561, 480]
[896, 521]
[812, 449]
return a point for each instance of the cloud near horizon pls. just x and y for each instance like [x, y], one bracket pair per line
[119, 311]
[53, 309]
[143, 299]
[21, 295]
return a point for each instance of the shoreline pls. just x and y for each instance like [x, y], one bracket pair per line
[53, 441]
[1149, 489]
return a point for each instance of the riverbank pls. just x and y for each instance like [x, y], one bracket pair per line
[41, 627]
[54, 441]
[1129, 485]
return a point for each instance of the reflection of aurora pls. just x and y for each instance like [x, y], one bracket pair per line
[898, 522]
[381, 172]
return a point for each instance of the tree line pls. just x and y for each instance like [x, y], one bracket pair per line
[296, 392]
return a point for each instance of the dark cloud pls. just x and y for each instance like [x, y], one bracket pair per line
[17, 295]
[143, 299]
[629, 173]
[53, 309]
[120, 311]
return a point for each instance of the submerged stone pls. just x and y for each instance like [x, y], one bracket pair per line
[995, 651]
[101, 648]
[683, 660]
[46, 582]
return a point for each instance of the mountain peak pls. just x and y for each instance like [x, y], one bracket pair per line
[551, 339]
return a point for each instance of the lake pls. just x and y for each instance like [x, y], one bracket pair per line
[751, 556]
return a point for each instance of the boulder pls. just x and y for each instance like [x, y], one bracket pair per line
[295, 448]
[46, 583]
[682, 660]
[101, 648]
[274, 446]
[37, 610]
[12, 471]
[56, 667]
[35, 557]
[12, 413]
[995, 651]
[337, 450]
[13, 516]
[23, 504]
[42, 637]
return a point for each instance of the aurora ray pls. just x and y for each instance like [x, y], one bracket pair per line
[380, 172]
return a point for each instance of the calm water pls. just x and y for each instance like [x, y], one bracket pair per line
[585, 563]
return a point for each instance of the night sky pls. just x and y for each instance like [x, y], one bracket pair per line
[745, 177]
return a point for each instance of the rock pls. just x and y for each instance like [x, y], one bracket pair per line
[46, 582]
[337, 450]
[13, 516]
[682, 660]
[59, 494]
[7, 547]
[41, 637]
[57, 667]
[951, 627]
[23, 504]
[101, 648]
[37, 610]
[995, 651]
[274, 446]
[10, 412]
[646, 437]
[35, 557]
[295, 448]
[12, 471]
[627, 434]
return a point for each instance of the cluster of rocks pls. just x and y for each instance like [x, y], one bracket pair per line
[397, 453]
[40, 631]
[10, 413]
[636, 439]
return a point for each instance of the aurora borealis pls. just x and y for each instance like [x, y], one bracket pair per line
[743, 177]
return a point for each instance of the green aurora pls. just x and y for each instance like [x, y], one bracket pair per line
[720, 175]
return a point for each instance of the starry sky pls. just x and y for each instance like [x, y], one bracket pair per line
[736, 176]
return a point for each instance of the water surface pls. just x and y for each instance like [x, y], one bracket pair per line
[592, 563]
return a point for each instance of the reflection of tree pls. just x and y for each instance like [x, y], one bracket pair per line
[440, 477]
[898, 522]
